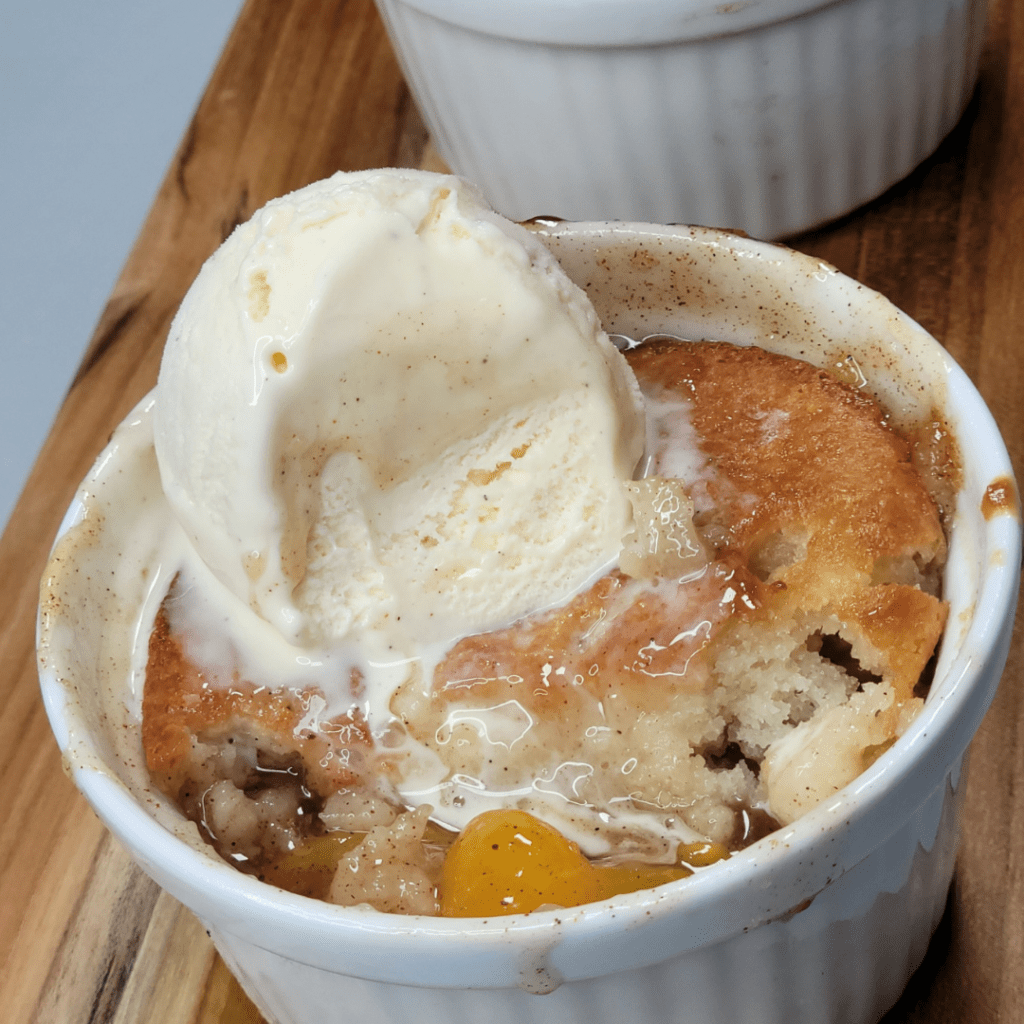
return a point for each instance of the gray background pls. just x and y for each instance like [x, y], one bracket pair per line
[94, 98]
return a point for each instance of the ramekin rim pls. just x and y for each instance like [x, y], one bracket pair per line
[611, 23]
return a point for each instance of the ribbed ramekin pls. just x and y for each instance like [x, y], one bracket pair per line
[819, 923]
[771, 116]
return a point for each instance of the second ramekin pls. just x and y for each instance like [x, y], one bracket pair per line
[771, 117]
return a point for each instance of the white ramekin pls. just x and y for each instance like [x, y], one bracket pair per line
[771, 116]
[823, 921]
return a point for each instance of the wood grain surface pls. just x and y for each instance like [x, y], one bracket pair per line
[308, 87]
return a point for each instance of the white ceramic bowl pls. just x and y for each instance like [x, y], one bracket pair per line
[770, 116]
[823, 920]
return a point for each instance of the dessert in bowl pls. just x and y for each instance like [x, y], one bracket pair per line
[790, 905]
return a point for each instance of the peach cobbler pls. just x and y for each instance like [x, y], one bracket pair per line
[764, 637]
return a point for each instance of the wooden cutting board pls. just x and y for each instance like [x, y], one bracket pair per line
[308, 87]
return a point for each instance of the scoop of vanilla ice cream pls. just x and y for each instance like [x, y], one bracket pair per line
[383, 407]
